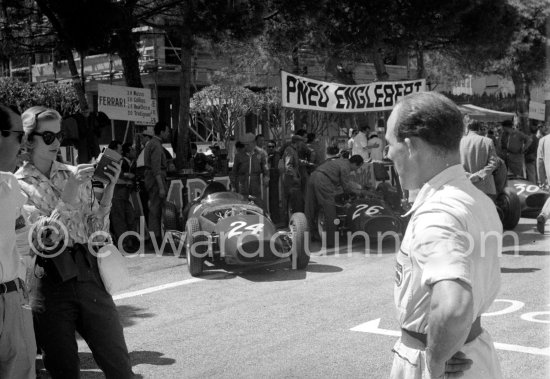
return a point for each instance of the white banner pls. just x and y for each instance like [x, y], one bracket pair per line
[125, 103]
[536, 110]
[310, 94]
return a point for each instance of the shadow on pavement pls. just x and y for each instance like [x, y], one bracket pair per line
[521, 270]
[130, 315]
[538, 253]
[87, 364]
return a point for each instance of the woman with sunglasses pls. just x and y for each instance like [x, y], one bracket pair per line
[74, 297]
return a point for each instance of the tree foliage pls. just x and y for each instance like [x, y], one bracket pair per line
[61, 97]
[222, 107]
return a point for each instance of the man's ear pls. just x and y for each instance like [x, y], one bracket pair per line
[411, 146]
[414, 145]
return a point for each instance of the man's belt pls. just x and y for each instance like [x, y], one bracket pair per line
[475, 331]
[10, 286]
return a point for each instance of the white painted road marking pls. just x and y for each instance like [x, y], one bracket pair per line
[373, 328]
[164, 287]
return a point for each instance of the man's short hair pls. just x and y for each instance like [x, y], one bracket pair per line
[5, 118]
[475, 126]
[258, 137]
[159, 128]
[507, 124]
[301, 132]
[114, 144]
[364, 126]
[126, 148]
[431, 117]
[333, 150]
[357, 159]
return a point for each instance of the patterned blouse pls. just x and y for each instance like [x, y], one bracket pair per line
[81, 219]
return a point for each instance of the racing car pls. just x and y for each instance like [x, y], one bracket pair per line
[370, 214]
[531, 197]
[223, 225]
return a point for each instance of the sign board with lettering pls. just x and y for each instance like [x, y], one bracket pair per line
[154, 115]
[125, 103]
[302, 93]
[536, 110]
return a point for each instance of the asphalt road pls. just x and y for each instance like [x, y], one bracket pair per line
[274, 322]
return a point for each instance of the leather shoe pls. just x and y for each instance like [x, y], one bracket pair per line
[540, 223]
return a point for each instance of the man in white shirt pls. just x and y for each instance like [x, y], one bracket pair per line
[17, 342]
[543, 169]
[447, 268]
[361, 146]
[377, 150]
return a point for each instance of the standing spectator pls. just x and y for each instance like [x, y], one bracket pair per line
[543, 168]
[248, 168]
[377, 150]
[304, 158]
[123, 216]
[351, 141]
[531, 156]
[447, 271]
[260, 141]
[316, 154]
[17, 341]
[324, 185]
[513, 146]
[361, 146]
[75, 299]
[479, 159]
[199, 161]
[273, 159]
[155, 178]
[293, 196]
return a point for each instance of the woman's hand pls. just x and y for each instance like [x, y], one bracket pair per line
[82, 175]
[113, 172]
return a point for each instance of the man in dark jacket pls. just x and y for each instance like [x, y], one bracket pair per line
[323, 186]
[248, 168]
[155, 176]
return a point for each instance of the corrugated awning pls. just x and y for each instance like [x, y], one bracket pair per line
[484, 114]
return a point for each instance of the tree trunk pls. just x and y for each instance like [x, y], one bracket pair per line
[77, 80]
[182, 147]
[129, 55]
[379, 65]
[522, 100]
[420, 70]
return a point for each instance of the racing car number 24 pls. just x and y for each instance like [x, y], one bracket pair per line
[235, 231]
[370, 211]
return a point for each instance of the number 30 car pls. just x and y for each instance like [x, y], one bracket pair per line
[222, 225]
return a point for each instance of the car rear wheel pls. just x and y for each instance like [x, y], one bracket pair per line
[171, 216]
[298, 228]
[193, 252]
[510, 208]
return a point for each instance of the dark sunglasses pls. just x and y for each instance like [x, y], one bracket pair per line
[49, 137]
[19, 133]
[271, 146]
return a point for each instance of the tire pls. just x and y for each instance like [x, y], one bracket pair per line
[298, 227]
[508, 202]
[194, 263]
[171, 217]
